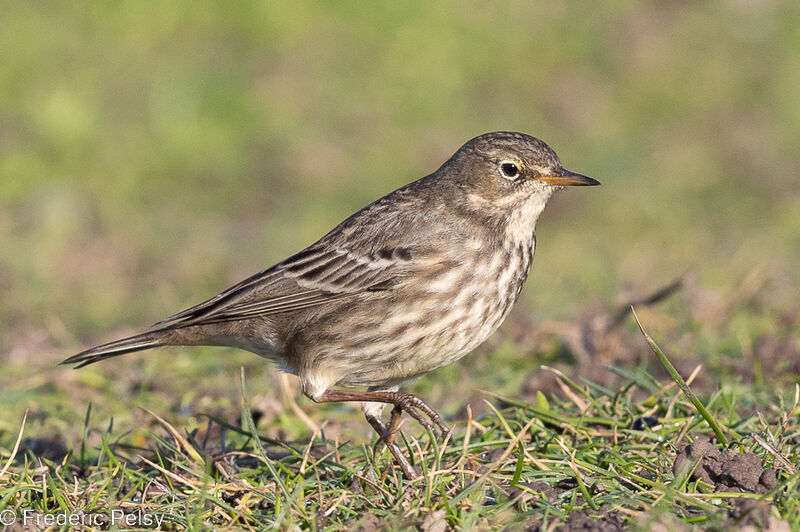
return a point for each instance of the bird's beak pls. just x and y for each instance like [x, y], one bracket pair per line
[565, 178]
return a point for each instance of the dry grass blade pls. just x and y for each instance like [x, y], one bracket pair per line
[16, 445]
[170, 474]
[184, 443]
[779, 458]
[494, 465]
[580, 403]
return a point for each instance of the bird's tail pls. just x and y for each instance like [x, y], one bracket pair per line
[138, 342]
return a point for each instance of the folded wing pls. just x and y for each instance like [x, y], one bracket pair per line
[314, 276]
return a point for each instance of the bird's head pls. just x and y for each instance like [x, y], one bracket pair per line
[508, 170]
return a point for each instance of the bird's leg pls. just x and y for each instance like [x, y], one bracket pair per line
[408, 470]
[387, 438]
[404, 401]
[394, 423]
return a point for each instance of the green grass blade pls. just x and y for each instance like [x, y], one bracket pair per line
[681, 383]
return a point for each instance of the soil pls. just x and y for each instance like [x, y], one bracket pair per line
[726, 470]
[588, 521]
[752, 513]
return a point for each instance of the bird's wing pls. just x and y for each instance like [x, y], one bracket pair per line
[314, 276]
[374, 249]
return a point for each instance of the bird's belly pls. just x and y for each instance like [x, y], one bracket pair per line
[424, 348]
[466, 330]
[435, 331]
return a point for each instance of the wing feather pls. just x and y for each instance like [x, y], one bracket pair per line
[312, 277]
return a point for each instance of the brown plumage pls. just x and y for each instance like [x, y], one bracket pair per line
[408, 284]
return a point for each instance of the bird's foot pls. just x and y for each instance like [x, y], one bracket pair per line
[386, 436]
[415, 408]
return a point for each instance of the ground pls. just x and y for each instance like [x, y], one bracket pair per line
[589, 446]
[153, 154]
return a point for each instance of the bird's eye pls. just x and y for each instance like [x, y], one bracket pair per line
[509, 170]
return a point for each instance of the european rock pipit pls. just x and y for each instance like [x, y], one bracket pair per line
[408, 284]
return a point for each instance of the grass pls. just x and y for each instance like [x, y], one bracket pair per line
[152, 155]
[589, 453]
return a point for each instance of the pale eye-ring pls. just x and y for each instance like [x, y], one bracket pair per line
[509, 170]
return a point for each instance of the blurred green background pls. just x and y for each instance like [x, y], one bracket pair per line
[151, 154]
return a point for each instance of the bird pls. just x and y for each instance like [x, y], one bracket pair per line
[408, 284]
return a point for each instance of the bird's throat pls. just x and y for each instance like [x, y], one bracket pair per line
[521, 223]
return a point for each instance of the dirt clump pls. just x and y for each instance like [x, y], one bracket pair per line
[607, 522]
[50, 448]
[582, 519]
[752, 515]
[726, 470]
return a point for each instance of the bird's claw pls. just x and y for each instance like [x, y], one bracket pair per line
[387, 439]
[444, 433]
[416, 408]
